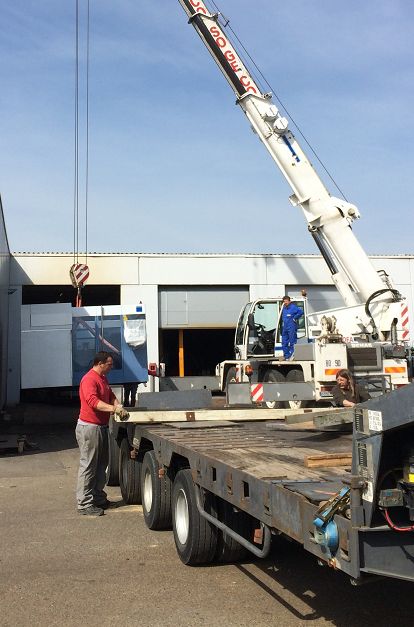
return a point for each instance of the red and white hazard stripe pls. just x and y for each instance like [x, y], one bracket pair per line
[256, 392]
[405, 322]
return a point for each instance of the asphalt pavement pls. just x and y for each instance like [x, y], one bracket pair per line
[60, 568]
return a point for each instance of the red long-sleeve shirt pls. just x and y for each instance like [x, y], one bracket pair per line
[94, 388]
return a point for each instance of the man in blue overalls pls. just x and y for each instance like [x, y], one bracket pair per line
[290, 318]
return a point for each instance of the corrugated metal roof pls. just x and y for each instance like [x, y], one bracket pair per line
[172, 254]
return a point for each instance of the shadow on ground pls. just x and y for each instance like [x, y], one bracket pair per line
[47, 428]
[329, 594]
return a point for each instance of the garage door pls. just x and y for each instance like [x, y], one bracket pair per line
[201, 307]
[320, 297]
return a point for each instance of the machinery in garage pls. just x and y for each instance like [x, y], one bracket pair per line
[58, 343]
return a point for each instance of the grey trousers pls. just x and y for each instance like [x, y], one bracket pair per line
[93, 447]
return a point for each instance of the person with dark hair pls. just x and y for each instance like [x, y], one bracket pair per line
[291, 314]
[346, 392]
[97, 402]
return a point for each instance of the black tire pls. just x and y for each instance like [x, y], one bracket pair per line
[156, 494]
[295, 375]
[129, 475]
[274, 376]
[195, 538]
[229, 550]
[112, 471]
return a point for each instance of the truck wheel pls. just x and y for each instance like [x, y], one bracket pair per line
[156, 494]
[295, 375]
[229, 550]
[129, 475]
[274, 376]
[112, 471]
[195, 538]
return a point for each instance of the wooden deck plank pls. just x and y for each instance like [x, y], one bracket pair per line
[328, 460]
[264, 453]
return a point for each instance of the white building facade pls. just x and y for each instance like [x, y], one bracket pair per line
[192, 300]
[4, 308]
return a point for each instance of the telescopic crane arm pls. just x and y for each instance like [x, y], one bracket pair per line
[329, 219]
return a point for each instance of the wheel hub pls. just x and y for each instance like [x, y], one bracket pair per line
[182, 517]
[147, 495]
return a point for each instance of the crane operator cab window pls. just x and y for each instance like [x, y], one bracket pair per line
[265, 328]
[262, 328]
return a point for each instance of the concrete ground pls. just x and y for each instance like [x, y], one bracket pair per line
[59, 568]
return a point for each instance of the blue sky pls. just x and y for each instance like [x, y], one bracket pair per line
[173, 165]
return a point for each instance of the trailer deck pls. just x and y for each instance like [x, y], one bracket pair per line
[257, 467]
[345, 496]
[269, 451]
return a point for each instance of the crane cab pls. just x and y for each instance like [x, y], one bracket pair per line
[259, 329]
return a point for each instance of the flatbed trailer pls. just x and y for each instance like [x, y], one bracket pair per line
[227, 487]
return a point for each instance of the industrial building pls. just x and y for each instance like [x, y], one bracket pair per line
[4, 297]
[192, 300]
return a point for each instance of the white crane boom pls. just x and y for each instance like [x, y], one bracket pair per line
[329, 219]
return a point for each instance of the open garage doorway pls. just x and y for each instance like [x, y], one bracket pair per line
[197, 327]
[92, 295]
[194, 352]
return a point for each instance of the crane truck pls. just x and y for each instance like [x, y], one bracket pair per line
[367, 334]
[226, 483]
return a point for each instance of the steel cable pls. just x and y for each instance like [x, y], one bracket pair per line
[274, 93]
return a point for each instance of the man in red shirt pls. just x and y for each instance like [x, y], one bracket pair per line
[97, 403]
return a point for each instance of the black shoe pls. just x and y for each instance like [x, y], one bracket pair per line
[92, 510]
[108, 505]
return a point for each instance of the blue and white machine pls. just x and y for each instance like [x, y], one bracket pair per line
[58, 343]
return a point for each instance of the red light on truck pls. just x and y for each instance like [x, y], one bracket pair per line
[152, 369]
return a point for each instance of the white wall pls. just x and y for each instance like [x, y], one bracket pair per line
[168, 269]
[4, 312]
[140, 277]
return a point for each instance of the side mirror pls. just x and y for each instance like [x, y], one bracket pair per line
[250, 321]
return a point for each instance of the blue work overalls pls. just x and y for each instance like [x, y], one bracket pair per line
[290, 316]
